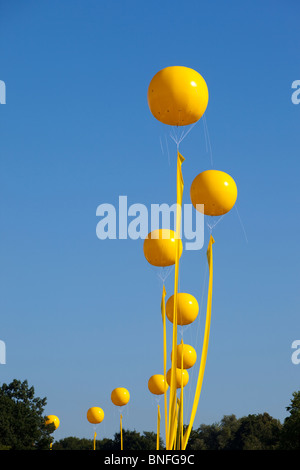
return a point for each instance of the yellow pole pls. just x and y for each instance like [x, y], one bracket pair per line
[163, 313]
[95, 435]
[158, 428]
[121, 432]
[181, 399]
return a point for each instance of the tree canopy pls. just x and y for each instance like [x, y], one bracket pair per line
[22, 420]
[252, 432]
[290, 436]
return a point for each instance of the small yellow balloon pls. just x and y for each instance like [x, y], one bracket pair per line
[187, 308]
[177, 96]
[120, 396]
[52, 419]
[214, 189]
[160, 247]
[95, 415]
[157, 384]
[187, 354]
[185, 377]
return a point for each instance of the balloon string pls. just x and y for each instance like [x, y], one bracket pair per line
[211, 226]
[207, 139]
[178, 139]
[243, 228]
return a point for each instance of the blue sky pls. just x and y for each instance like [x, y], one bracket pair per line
[81, 316]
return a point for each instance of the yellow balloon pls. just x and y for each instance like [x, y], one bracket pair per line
[177, 96]
[157, 384]
[120, 396]
[160, 247]
[216, 190]
[187, 308]
[52, 419]
[186, 353]
[185, 377]
[95, 415]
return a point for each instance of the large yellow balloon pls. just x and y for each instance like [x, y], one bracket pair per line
[160, 247]
[187, 308]
[52, 419]
[186, 353]
[157, 384]
[216, 190]
[185, 377]
[120, 396]
[95, 415]
[177, 96]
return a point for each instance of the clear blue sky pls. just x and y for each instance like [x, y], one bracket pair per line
[81, 316]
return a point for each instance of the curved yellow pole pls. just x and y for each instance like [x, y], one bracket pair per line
[205, 343]
[95, 435]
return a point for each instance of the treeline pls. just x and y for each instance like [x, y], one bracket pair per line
[22, 427]
[252, 432]
[132, 440]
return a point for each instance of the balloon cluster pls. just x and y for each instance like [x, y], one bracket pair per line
[178, 96]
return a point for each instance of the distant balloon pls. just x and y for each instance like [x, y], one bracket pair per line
[187, 308]
[185, 377]
[95, 415]
[186, 353]
[160, 247]
[214, 189]
[157, 384]
[52, 419]
[177, 96]
[120, 396]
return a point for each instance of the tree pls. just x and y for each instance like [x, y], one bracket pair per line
[252, 432]
[290, 435]
[257, 432]
[204, 438]
[73, 443]
[22, 420]
[132, 440]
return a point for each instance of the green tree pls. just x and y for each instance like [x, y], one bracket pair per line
[22, 420]
[204, 438]
[290, 435]
[253, 432]
[73, 443]
[257, 432]
[227, 430]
